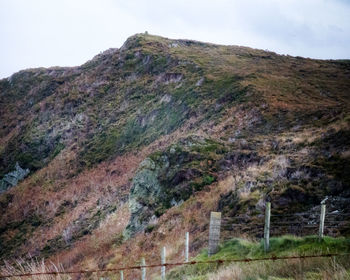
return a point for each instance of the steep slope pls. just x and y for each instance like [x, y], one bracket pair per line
[125, 148]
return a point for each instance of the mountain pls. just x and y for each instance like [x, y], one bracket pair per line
[130, 150]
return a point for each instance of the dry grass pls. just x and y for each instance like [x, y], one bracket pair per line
[92, 250]
[32, 266]
[84, 191]
[283, 270]
[232, 272]
[45, 191]
[171, 230]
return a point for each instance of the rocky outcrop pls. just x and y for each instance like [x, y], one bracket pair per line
[145, 194]
[168, 178]
[11, 179]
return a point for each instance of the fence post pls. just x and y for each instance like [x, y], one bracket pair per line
[322, 218]
[187, 245]
[121, 275]
[163, 261]
[214, 232]
[143, 269]
[267, 227]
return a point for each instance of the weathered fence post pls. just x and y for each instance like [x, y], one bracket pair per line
[187, 245]
[163, 261]
[214, 232]
[322, 218]
[302, 269]
[267, 226]
[143, 269]
[121, 275]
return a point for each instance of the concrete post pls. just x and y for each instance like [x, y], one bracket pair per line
[143, 269]
[163, 261]
[267, 227]
[214, 232]
[187, 245]
[322, 218]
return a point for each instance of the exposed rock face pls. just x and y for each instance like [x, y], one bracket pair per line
[11, 179]
[168, 178]
[145, 194]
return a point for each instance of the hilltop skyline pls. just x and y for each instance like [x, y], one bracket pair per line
[65, 33]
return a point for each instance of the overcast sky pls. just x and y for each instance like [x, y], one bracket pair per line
[36, 33]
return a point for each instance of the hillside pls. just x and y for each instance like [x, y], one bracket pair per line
[135, 147]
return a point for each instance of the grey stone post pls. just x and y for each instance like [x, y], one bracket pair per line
[267, 227]
[187, 245]
[143, 269]
[322, 218]
[214, 232]
[163, 260]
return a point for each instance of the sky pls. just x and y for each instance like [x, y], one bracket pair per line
[44, 33]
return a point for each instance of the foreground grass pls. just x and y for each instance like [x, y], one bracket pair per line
[32, 266]
[337, 268]
[315, 268]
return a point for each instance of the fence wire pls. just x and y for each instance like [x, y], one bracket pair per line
[139, 267]
[298, 224]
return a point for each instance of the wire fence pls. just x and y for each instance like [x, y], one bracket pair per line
[140, 267]
[275, 224]
[298, 224]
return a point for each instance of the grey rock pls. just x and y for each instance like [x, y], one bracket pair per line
[167, 179]
[144, 194]
[200, 82]
[11, 179]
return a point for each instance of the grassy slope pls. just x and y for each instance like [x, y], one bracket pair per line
[282, 269]
[83, 132]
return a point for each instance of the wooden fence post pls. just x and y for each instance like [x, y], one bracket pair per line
[187, 245]
[121, 275]
[163, 261]
[143, 269]
[214, 232]
[322, 218]
[267, 227]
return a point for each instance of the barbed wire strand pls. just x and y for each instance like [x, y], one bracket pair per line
[219, 261]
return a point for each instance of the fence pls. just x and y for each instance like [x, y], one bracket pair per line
[271, 224]
[265, 225]
[143, 267]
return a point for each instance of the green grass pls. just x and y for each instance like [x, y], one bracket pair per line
[279, 246]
